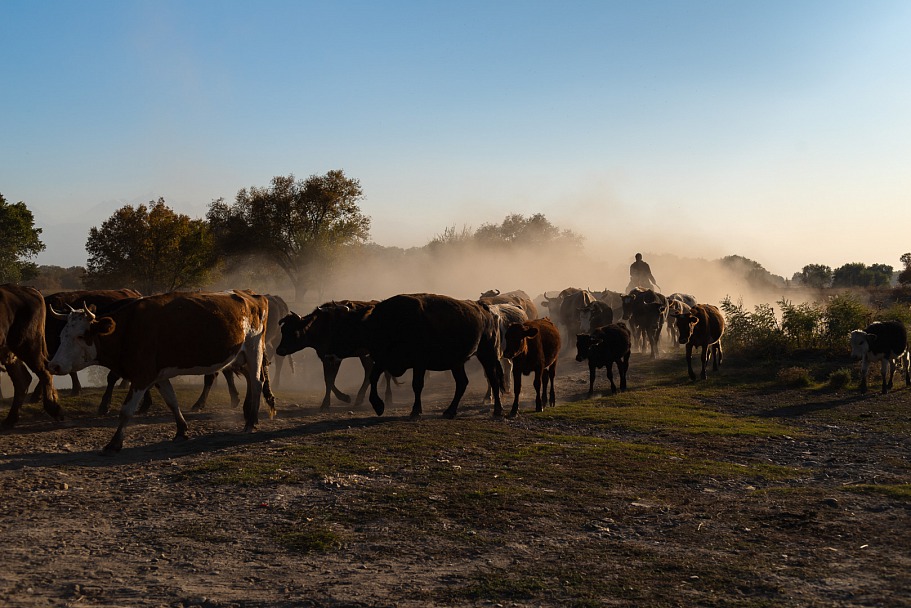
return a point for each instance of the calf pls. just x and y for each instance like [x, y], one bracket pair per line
[702, 326]
[605, 347]
[884, 341]
[533, 347]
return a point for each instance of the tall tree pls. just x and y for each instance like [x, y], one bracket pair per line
[19, 240]
[532, 231]
[904, 276]
[299, 225]
[858, 274]
[818, 276]
[151, 249]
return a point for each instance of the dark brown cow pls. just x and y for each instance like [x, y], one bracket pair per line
[23, 348]
[518, 298]
[424, 332]
[336, 331]
[150, 340]
[604, 347]
[646, 310]
[533, 347]
[703, 327]
[566, 307]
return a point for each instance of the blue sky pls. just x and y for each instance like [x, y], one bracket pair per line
[780, 131]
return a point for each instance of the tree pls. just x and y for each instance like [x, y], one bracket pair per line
[904, 276]
[300, 226]
[817, 276]
[19, 240]
[533, 231]
[151, 249]
[754, 273]
[858, 274]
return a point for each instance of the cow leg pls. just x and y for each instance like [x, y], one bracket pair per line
[689, 360]
[170, 398]
[105, 406]
[516, 389]
[21, 379]
[461, 382]
[77, 386]
[539, 404]
[887, 367]
[592, 372]
[717, 355]
[267, 393]
[207, 381]
[706, 350]
[253, 372]
[367, 364]
[389, 380]
[375, 401]
[622, 367]
[130, 403]
[146, 404]
[610, 376]
[279, 363]
[417, 385]
[864, 368]
[232, 387]
[552, 372]
[331, 366]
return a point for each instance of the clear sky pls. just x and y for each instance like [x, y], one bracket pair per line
[775, 130]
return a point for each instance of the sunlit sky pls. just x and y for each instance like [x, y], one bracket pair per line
[775, 130]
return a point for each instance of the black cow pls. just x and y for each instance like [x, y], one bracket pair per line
[884, 341]
[604, 347]
[645, 309]
[432, 332]
[596, 314]
[565, 309]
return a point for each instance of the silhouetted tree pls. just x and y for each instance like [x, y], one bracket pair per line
[297, 225]
[533, 231]
[19, 240]
[818, 276]
[858, 274]
[904, 276]
[151, 249]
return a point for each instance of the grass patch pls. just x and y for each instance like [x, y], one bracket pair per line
[310, 538]
[897, 491]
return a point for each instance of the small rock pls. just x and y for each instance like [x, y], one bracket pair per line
[831, 502]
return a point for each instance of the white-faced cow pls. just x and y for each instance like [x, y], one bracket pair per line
[645, 309]
[23, 348]
[565, 309]
[605, 347]
[533, 347]
[702, 327]
[883, 341]
[518, 298]
[677, 303]
[597, 314]
[150, 340]
[506, 315]
[432, 332]
[336, 331]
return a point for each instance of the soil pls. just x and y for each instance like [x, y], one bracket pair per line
[146, 528]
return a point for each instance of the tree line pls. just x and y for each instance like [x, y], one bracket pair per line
[297, 228]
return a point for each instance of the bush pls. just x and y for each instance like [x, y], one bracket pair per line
[757, 332]
[843, 314]
[839, 378]
[800, 322]
[794, 376]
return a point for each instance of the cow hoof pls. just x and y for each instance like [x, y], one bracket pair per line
[449, 415]
[539, 408]
[196, 408]
[414, 416]
[344, 398]
[179, 438]
[249, 428]
[379, 408]
[324, 407]
[513, 414]
[111, 449]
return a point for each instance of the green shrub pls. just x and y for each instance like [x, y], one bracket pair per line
[843, 314]
[839, 378]
[794, 376]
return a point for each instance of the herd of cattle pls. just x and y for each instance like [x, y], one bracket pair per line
[148, 340]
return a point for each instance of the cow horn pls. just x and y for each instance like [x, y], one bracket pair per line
[88, 312]
[57, 315]
[70, 307]
[498, 291]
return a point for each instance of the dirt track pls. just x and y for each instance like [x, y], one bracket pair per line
[146, 528]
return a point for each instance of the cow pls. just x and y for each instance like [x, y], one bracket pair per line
[646, 310]
[677, 303]
[614, 299]
[597, 314]
[604, 347]
[883, 341]
[518, 298]
[432, 332]
[506, 315]
[703, 327]
[534, 347]
[23, 347]
[566, 306]
[278, 309]
[152, 339]
[336, 331]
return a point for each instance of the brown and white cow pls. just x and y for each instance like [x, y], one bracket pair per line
[336, 331]
[883, 341]
[506, 315]
[517, 297]
[534, 347]
[425, 332]
[677, 303]
[703, 327]
[150, 340]
[23, 348]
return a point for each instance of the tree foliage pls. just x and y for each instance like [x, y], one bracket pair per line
[754, 273]
[19, 240]
[151, 249]
[299, 225]
[516, 230]
[858, 274]
[904, 277]
[818, 276]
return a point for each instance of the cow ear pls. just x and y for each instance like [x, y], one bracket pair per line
[531, 332]
[104, 326]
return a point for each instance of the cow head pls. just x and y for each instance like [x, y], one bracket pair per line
[585, 318]
[686, 323]
[296, 333]
[515, 342]
[860, 343]
[492, 293]
[584, 344]
[78, 340]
